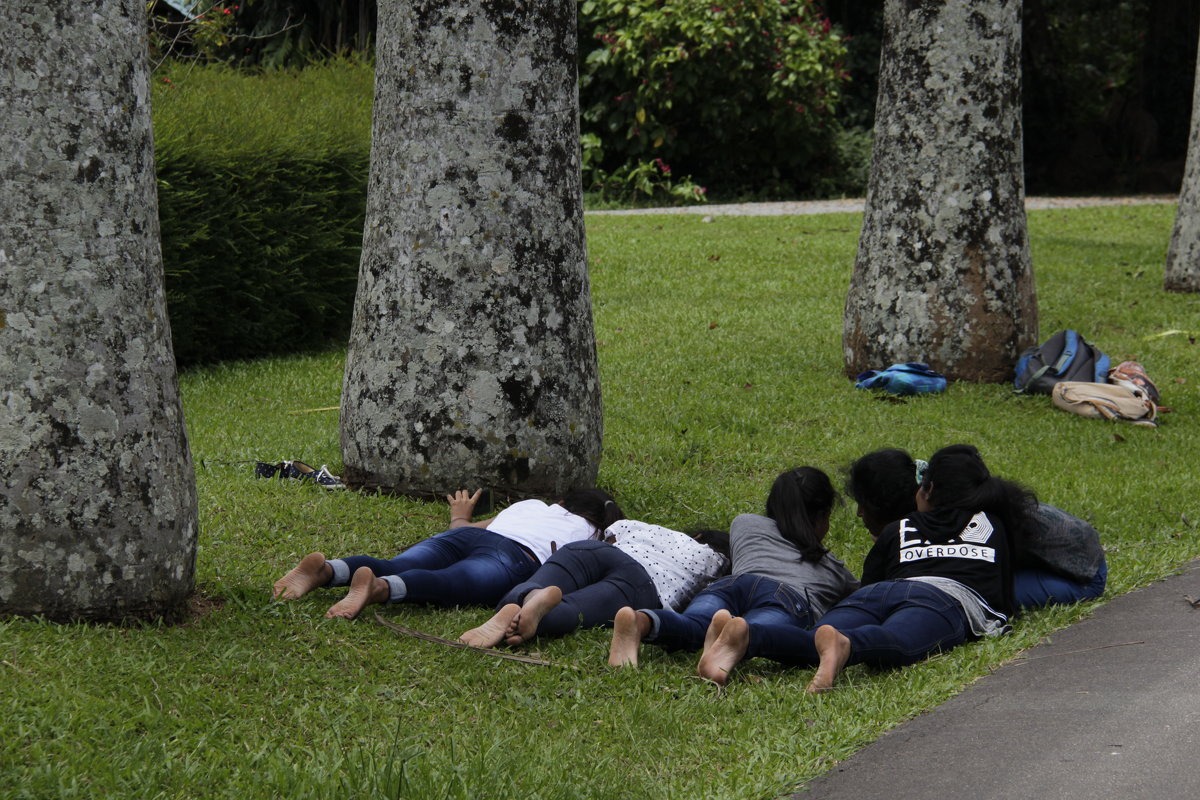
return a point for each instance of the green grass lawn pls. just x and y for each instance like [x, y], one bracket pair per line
[719, 350]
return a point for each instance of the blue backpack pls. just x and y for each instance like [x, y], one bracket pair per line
[1065, 356]
[910, 378]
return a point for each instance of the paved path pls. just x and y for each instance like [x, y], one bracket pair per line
[847, 206]
[1108, 708]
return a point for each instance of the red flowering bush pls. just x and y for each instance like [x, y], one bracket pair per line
[738, 94]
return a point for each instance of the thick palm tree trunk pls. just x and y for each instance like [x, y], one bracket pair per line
[1183, 255]
[472, 356]
[97, 495]
[943, 272]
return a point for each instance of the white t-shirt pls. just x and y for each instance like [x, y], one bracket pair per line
[678, 564]
[537, 526]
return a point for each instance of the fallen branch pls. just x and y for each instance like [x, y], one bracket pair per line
[314, 410]
[463, 646]
[1070, 652]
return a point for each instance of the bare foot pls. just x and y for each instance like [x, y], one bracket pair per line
[834, 649]
[629, 627]
[311, 573]
[538, 604]
[716, 626]
[723, 655]
[492, 632]
[365, 589]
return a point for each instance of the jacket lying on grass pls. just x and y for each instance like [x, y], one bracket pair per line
[909, 378]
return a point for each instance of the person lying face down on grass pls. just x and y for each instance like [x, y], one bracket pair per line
[473, 563]
[934, 579]
[782, 573]
[585, 583]
[1060, 560]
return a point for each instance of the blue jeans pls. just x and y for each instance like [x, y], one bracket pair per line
[463, 566]
[753, 597]
[596, 579]
[1034, 588]
[890, 624]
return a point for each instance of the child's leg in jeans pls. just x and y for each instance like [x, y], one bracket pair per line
[896, 623]
[685, 631]
[570, 569]
[596, 605]
[602, 579]
[493, 566]
[436, 552]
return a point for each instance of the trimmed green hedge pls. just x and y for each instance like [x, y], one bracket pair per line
[262, 189]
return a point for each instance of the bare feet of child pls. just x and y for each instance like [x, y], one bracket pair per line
[311, 573]
[538, 604]
[716, 626]
[365, 589]
[723, 655]
[834, 649]
[629, 627]
[492, 632]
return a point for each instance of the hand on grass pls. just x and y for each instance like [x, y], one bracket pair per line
[462, 504]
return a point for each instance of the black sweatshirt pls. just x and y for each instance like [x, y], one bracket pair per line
[967, 546]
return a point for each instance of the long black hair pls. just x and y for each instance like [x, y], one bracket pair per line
[595, 505]
[799, 497]
[715, 540]
[958, 478]
[884, 484]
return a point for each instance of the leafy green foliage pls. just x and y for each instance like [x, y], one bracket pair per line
[649, 180]
[719, 348]
[262, 190]
[740, 93]
[262, 33]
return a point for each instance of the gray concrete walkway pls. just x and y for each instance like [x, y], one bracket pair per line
[856, 205]
[1109, 708]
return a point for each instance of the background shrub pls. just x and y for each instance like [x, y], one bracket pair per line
[739, 95]
[262, 190]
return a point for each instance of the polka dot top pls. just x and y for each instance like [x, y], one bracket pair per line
[678, 564]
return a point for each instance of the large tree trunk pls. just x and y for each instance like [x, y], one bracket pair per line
[472, 358]
[1183, 256]
[943, 271]
[97, 494]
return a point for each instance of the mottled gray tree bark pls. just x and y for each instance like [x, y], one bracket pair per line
[943, 271]
[97, 494]
[472, 356]
[1183, 255]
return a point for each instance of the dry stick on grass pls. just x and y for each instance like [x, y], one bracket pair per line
[314, 410]
[463, 646]
[1071, 652]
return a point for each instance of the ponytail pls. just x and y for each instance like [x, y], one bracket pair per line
[595, 505]
[798, 498]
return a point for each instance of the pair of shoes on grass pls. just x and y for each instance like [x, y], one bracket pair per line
[298, 470]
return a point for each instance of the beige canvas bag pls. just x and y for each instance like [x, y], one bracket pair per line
[1105, 401]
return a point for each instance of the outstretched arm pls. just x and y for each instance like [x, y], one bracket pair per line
[462, 508]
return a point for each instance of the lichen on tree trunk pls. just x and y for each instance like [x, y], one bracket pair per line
[97, 496]
[1183, 255]
[472, 356]
[943, 272]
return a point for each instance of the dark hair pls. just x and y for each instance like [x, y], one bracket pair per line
[798, 498]
[711, 538]
[958, 478]
[884, 484]
[595, 505]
